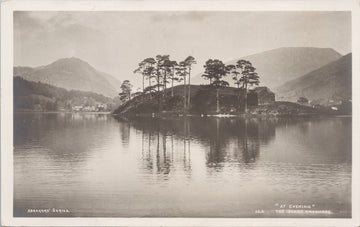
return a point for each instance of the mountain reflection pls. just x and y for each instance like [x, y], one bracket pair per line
[60, 137]
[169, 141]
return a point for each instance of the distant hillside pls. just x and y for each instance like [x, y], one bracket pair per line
[284, 64]
[330, 82]
[36, 96]
[72, 74]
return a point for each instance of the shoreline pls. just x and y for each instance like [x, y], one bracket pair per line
[180, 115]
[66, 112]
[155, 115]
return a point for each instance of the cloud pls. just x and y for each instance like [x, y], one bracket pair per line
[115, 42]
[193, 16]
[62, 19]
[24, 22]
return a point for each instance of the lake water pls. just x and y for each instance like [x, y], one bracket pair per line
[96, 166]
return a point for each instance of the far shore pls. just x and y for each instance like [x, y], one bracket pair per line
[70, 112]
[176, 114]
[249, 115]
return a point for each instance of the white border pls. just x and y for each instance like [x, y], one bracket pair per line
[7, 8]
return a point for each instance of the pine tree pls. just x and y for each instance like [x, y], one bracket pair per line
[215, 71]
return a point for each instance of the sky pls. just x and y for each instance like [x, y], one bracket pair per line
[115, 42]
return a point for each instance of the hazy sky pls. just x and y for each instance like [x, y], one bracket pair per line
[115, 42]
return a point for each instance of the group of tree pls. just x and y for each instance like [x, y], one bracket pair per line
[161, 71]
[243, 73]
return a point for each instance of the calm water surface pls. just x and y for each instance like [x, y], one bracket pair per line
[95, 165]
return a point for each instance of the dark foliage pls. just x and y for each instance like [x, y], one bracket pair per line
[38, 96]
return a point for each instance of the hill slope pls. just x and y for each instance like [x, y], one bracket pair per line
[330, 82]
[284, 64]
[29, 95]
[71, 74]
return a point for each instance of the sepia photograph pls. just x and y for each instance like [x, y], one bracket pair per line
[182, 114]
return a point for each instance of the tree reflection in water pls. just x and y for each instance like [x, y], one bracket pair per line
[119, 165]
[216, 154]
[125, 133]
[250, 147]
[225, 141]
[149, 160]
[187, 140]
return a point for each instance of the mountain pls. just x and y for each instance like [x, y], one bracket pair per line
[72, 74]
[330, 82]
[283, 64]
